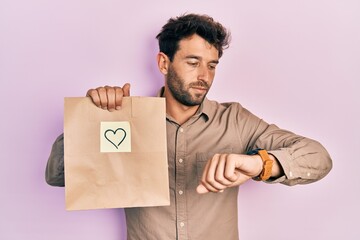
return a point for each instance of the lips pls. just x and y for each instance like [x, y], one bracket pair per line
[200, 85]
[199, 88]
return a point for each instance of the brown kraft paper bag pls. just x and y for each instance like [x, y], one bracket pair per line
[115, 159]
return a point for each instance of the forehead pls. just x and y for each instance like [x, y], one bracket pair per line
[197, 46]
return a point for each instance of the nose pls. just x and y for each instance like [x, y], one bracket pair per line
[204, 73]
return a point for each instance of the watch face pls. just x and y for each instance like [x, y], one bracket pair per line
[254, 151]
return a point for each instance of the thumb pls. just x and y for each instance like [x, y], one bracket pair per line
[126, 89]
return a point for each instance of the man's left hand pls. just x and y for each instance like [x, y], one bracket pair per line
[228, 170]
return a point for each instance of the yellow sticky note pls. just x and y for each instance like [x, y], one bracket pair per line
[115, 137]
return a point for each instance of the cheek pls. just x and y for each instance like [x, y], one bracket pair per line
[189, 76]
[211, 76]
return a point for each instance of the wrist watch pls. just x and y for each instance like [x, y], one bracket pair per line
[267, 164]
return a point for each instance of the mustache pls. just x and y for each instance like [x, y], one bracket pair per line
[200, 83]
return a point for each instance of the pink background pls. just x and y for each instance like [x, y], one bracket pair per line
[294, 63]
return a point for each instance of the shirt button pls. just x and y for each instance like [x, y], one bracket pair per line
[308, 174]
[182, 224]
[291, 174]
[181, 160]
[181, 192]
[181, 130]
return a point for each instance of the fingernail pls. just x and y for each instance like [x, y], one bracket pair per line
[118, 107]
[221, 191]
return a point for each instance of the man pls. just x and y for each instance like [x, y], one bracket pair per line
[212, 147]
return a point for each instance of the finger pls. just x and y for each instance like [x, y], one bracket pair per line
[241, 178]
[230, 171]
[201, 189]
[220, 171]
[94, 95]
[208, 179]
[110, 93]
[205, 187]
[103, 97]
[126, 89]
[119, 93]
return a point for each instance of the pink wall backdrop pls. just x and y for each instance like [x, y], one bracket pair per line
[294, 63]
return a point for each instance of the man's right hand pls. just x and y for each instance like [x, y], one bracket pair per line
[109, 98]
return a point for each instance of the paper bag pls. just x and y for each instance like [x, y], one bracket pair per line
[115, 159]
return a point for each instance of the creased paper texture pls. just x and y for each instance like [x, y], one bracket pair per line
[136, 176]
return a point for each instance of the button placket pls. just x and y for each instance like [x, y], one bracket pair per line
[180, 183]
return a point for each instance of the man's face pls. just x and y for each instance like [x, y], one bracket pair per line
[192, 70]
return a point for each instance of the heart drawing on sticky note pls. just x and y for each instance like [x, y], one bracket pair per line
[115, 137]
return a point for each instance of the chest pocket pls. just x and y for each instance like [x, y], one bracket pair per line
[203, 158]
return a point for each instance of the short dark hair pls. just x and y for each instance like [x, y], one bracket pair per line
[186, 25]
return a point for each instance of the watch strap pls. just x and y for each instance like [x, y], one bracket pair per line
[267, 164]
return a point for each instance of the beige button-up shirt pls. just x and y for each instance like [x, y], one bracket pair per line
[215, 128]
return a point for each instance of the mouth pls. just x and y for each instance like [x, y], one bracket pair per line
[200, 89]
[200, 86]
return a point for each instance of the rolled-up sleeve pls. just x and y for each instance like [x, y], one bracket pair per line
[54, 173]
[303, 160]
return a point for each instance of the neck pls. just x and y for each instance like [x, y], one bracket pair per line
[179, 112]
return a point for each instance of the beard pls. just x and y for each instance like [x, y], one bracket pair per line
[181, 92]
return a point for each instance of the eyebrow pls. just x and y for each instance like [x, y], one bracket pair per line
[199, 58]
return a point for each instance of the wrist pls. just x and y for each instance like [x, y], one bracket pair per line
[277, 170]
[259, 165]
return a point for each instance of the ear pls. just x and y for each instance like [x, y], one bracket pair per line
[163, 62]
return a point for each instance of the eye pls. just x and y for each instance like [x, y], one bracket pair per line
[212, 66]
[193, 64]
